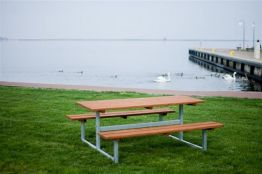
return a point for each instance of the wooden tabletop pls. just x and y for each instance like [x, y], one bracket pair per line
[149, 102]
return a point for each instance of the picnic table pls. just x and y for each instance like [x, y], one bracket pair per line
[150, 105]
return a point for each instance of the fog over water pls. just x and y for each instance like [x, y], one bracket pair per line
[122, 43]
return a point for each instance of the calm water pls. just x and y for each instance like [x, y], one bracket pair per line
[114, 63]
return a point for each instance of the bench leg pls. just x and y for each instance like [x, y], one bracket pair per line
[98, 146]
[83, 133]
[83, 130]
[181, 113]
[116, 154]
[204, 139]
[161, 117]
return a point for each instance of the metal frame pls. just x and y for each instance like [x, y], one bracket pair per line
[115, 157]
[139, 125]
[204, 141]
[97, 146]
[181, 118]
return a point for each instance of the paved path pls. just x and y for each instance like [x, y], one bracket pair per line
[238, 94]
[240, 55]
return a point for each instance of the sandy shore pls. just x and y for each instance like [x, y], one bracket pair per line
[238, 94]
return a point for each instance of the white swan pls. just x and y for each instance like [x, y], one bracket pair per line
[229, 77]
[163, 78]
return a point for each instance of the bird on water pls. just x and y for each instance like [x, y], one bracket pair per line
[229, 77]
[163, 78]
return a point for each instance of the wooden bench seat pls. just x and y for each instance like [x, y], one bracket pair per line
[83, 117]
[121, 134]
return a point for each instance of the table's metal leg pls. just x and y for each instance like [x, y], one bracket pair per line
[98, 130]
[97, 146]
[83, 131]
[161, 117]
[181, 113]
[204, 139]
[83, 135]
[116, 154]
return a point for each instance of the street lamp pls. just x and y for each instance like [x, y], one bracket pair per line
[254, 30]
[242, 23]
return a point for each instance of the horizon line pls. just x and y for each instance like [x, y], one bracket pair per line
[116, 39]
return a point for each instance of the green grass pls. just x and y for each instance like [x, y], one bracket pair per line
[36, 137]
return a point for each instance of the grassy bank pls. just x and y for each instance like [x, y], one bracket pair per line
[35, 136]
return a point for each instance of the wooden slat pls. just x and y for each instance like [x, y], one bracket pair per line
[120, 134]
[121, 114]
[149, 102]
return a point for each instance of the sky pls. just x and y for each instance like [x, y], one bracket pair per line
[129, 19]
[70, 20]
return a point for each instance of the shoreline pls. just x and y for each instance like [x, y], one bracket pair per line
[236, 94]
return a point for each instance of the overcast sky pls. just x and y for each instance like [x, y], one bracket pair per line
[129, 19]
[125, 19]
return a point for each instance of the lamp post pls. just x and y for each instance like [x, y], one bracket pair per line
[254, 32]
[242, 23]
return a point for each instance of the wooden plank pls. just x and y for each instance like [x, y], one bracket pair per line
[149, 102]
[120, 134]
[159, 130]
[121, 114]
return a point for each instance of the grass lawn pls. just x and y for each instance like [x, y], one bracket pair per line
[36, 137]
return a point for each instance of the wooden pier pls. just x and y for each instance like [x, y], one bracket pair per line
[241, 62]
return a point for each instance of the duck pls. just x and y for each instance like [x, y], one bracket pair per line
[163, 78]
[199, 77]
[114, 76]
[229, 77]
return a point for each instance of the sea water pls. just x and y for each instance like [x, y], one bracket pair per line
[115, 63]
